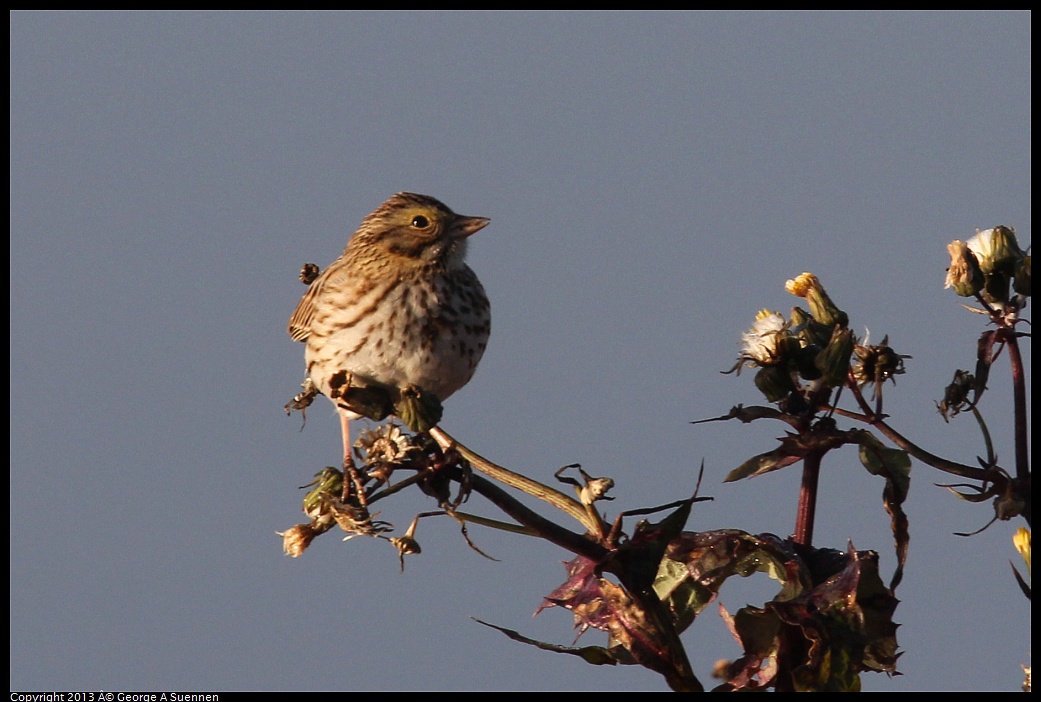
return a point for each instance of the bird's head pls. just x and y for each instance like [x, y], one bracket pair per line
[417, 229]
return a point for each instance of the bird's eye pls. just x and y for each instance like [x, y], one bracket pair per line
[420, 222]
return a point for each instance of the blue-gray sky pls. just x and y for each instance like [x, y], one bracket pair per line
[652, 180]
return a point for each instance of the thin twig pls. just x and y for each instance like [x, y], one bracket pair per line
[563, 502]
[930, 459]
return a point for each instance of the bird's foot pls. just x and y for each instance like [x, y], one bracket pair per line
[354, 483]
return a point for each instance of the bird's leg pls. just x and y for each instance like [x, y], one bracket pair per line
[350, 470]
[345, 430]
[339, 384]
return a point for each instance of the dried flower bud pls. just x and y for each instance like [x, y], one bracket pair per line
[296, 539]
[595, 489]
[964, 274]
[405, 545]
[356, 520]
[308, 273]
[876, 364]
[956, 394]
[385, 444]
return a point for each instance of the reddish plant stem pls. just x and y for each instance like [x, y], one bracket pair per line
[929, 459]
[807, 499]
[1019, 419]
[1019, 404]
[792, 648]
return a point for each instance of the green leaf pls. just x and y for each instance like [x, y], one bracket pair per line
[418, 409]
[763, 463]
[833, 360]
[984, 359]
[895, 466]
[831, 621]
[846, 621]
[698, 563]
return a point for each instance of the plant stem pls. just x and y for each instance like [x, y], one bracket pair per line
[1019, 408]
[1019, 399]
[564, 503]
[550, 531]
[808, 498]
[929, 459]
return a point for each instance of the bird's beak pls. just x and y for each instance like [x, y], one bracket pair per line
[465, 226]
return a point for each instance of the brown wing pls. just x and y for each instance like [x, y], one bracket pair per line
[300, 322]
